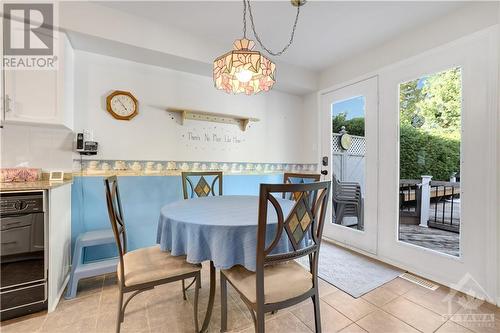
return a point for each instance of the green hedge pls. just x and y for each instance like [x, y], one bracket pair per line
[422, 153]
[354, 126]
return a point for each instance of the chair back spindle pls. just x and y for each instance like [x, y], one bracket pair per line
[206, 184]
[298, 178]
[116, 219]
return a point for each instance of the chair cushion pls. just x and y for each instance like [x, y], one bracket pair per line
[281, 282]
[151, 264]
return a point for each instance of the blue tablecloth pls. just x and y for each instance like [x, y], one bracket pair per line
[222, 229]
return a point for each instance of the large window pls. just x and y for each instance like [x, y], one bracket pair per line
[429, 161]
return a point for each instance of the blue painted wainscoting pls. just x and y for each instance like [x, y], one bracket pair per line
[142, 198]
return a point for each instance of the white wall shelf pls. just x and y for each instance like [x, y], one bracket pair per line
[240, 121]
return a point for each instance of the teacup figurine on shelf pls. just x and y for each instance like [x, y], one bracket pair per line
[150, 167]
[171, 165]
[159, 167]
[120, 165]
[136, 166]
[204, 167]
[105, 166]
[196, 166]
[225, 167]
[258, 168]
[214, 166]
[93, 165]
[185, 166]
[93, 168]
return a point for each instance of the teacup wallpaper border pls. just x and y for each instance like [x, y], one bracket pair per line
[172, 168]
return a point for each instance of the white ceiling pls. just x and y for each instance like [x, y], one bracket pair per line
[328, 31]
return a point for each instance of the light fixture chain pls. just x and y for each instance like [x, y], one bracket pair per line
[244, 19]
[257, 37]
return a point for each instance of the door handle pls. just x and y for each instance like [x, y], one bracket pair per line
[324, 172]
[8, 100]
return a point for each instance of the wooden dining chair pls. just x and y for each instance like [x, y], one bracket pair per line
[207, 182]
[298, 178]
[288, 178]
[143, 269]
[279, 281]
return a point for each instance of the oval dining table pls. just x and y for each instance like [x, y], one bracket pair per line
[218, 229]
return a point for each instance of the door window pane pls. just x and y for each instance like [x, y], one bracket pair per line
[429, 161]
[348, 160]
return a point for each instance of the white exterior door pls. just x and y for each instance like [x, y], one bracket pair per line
[476, 261]
[350, 156]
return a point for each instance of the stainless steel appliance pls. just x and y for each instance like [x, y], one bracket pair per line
[23, 280]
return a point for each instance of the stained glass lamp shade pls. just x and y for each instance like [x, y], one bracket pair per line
[243, 70]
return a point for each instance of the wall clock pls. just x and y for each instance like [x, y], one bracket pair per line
[345, 141]
[122, 105]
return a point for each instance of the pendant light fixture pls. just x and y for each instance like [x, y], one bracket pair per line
[244, 70]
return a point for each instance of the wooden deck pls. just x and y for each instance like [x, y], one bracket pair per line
[430, 238]
[409, 195]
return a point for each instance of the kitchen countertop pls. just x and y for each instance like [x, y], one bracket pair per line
[37, 185]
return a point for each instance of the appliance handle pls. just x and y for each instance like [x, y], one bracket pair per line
[24, 305]
[9, 224]
[20, 286]
[8, 243]
[5, 216]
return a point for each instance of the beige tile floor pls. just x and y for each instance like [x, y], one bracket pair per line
[398, 306]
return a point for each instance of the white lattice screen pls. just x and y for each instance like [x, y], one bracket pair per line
[358, 147]
[349, 165]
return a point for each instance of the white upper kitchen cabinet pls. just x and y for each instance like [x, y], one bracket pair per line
[42, 97]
